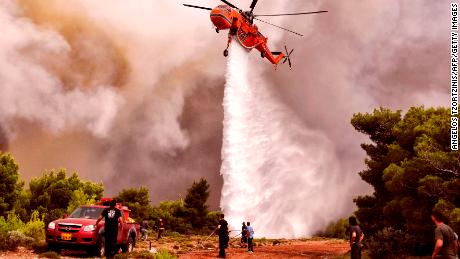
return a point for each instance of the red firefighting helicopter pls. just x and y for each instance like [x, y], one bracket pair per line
[241, 24]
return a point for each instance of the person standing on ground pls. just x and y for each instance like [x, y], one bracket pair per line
[356, 237]
[160, 228]
[144, 229]
[250, 236]
[112, 217]
[244, 235]
[222, 231]
[446, 244]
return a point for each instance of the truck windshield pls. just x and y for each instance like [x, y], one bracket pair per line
[86, 212]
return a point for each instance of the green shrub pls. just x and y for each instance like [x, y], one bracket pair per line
[212, 220]
[35, 228]
[145, 254]
[51, 193]
[14, 233]
[164, 254]
[4, 245]
[337, 229]
[11, 223]
[13, 239]
[390, 243]
[11, 185]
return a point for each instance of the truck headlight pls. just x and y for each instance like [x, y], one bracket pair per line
[89, 228]
[51, 225]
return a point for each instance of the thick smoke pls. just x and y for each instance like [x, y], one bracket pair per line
[32, 92]
[130, 92]
[117, 77]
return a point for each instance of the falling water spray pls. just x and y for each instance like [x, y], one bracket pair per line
[277, 174]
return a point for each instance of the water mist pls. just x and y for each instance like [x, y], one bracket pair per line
[277, 174]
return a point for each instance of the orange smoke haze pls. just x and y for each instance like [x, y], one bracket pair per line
[95, 58]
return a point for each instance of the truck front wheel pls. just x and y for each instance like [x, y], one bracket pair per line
[129, 247]
[99, 250]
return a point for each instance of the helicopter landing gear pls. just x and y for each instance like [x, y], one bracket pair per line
[225, 52]
[217, 30]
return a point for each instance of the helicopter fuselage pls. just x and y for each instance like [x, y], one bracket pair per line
[241, 26]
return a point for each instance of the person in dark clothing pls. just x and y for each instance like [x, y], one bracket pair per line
[244, 235]
[160, 228]
[250, 236]
[446, 243]
[222, 231]
[144, 229]
[112, 217]
[356, 237]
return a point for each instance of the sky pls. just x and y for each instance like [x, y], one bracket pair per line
[130, 93]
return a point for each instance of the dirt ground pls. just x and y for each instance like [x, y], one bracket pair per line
[199, 247]
[294, 249]
[21, 253]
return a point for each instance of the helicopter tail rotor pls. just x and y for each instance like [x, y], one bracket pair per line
[287, 56]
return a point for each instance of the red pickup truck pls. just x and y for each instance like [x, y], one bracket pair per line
[77, 231]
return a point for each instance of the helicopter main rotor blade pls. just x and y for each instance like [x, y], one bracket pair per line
[230, 4]
[285, 14]
[278, 26]
[253, 4]
[199, 7]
